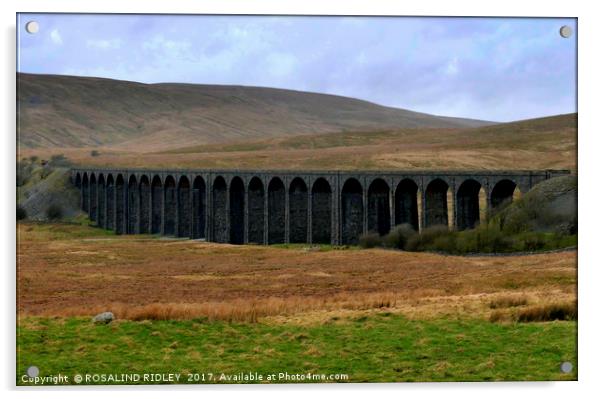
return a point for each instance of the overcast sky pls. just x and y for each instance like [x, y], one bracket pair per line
[498, 69]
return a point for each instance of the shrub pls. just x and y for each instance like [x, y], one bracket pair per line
[46, 171]
[94, 153]
[532, 241]
[425, 239]
[59, 160]
[21, 213]
[399, 236]
[33, 158]
[445, 243]
[549, 312]
[370, 240]
[54, 212]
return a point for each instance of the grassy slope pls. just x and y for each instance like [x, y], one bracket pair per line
[532, 144]
[54, 189]
[380, 348]
[59, 111]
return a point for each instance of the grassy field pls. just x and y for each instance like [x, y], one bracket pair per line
[376, 315]
[546, 143]
[381, 347]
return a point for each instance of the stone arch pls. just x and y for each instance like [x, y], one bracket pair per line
[78, 180]
[184, 208]
[198, 208]
[220, 214]
[133, 203]
[467, 205]
[502, 193]
[276, 211]
[406, 203]
[101, 219]
[156, 205]
[297, 197]
[436, 203]
[256, 210]
[120, 211]
[144, 200]
[85, 193]
[237, 211]
[379, 209]
[93, 198]
[110, 202]
[321, 209]
[170, 204]
[352, 206]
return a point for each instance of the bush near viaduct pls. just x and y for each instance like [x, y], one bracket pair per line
[270, 207]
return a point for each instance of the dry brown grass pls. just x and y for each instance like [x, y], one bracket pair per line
[548, 143]
[508, 301]
[140, 278]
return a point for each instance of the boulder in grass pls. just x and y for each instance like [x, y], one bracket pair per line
[103, 318]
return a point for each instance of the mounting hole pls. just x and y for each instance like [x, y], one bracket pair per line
[566, 367]
[33, 371]
[32, 27]
[566, 31]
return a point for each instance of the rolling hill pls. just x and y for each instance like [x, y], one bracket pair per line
[543, 143]
[66, 111]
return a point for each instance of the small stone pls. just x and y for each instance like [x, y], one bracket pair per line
[103, 318]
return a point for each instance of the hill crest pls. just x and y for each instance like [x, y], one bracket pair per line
[69, 111]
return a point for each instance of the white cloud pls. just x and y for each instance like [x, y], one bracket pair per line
[168, 48]
[281, 64]
[452, 67]
[104, 44]
[55, 36]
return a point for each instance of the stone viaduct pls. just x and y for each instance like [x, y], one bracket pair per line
[267, 207]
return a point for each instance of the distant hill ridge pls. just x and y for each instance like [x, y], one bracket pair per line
[69, 111]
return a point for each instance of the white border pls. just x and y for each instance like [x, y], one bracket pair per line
[590, 70]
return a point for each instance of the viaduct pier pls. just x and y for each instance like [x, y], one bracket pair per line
[270, 206]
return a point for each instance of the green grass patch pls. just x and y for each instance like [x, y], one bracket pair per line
[78, 229]
[376, 348]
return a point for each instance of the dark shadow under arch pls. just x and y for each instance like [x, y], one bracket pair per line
[110, 202]
[321, 212]
[133, 205]
[184, 208]
[502, 193]
[220, 215]
[298, 202]
[352, 206]
[156, 205]
[198, 208]
[145, 203]
[237, 211]
[256, 211]
[276, 211]
[169, 206]
[93, 198]
[101, 219]
[379, 210]
[406, 203]
[85, 193]
[467, 205]
[436, 204]
[120, 211]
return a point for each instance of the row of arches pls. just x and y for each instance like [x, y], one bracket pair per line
[252, 213]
